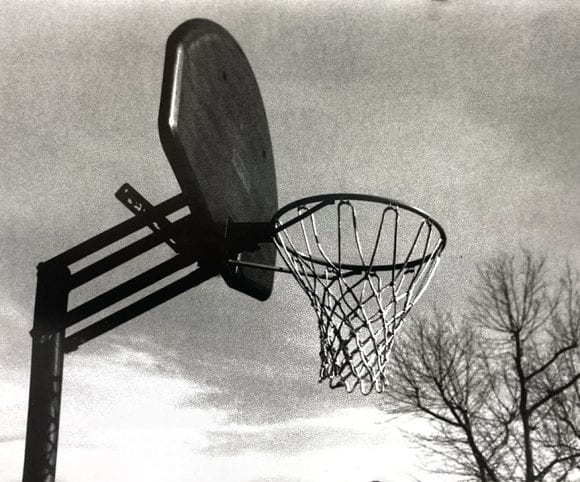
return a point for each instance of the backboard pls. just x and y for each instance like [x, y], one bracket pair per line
[214, 131]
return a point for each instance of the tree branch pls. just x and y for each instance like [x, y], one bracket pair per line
[551, 360]
[433, 414]
[559, 460]
[501, 387]
[552, 393]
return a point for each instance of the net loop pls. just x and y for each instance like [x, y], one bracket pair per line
[363, 261]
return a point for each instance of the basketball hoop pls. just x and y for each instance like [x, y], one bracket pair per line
[363, 261]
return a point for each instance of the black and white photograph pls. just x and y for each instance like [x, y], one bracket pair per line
[290, 241]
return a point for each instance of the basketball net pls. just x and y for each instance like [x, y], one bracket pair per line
[360, 302]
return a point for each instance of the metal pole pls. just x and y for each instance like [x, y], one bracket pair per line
[46, 366]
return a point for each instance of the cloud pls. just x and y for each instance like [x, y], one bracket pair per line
[123, 419]
[362, 419]
[130, 392]
[124, 402]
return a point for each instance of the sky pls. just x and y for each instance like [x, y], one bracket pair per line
[467, 109]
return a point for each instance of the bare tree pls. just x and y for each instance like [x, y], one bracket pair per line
[501, 385]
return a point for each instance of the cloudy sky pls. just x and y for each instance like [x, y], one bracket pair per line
[468, 109]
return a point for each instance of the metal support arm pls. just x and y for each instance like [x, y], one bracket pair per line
[52, 317]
